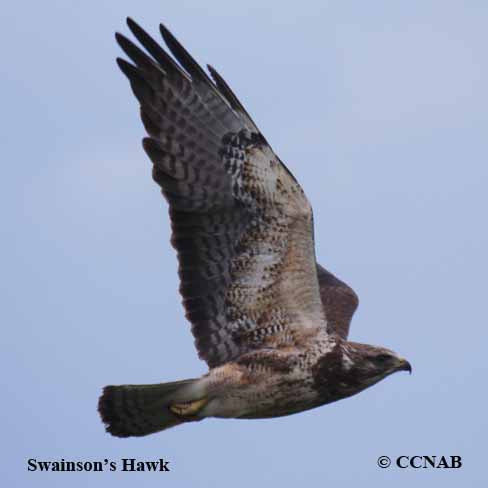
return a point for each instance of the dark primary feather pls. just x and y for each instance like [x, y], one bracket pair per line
[241, 225]
[156, 51]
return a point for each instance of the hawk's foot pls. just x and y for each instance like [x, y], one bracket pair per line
[188, 409]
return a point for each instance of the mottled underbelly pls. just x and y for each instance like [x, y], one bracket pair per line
[269, 398]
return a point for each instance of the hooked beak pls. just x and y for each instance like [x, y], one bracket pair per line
[405, 366]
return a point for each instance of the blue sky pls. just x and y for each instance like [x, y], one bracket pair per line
[380, 111]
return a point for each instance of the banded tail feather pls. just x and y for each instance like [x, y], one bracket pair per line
[139, 410]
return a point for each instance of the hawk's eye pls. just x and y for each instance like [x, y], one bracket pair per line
[382, 358]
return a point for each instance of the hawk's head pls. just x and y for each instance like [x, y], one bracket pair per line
[372, 363]
[351, 367]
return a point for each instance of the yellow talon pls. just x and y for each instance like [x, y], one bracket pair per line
[188, 409]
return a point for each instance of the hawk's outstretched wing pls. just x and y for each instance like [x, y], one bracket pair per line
[339, 301]
[242, 226]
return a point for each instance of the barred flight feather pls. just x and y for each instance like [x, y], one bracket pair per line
[241, 224]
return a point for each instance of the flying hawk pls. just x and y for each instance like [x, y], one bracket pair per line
[270, 322]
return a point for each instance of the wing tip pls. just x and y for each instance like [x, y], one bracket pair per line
[212, 70]
[120, 38]
[127, 68]
[135, 28]
[165, 32]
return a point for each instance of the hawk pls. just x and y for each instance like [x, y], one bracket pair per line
[270, 322]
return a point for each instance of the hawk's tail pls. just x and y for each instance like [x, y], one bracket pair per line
[137, 410]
